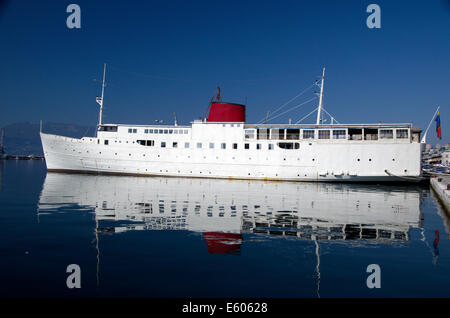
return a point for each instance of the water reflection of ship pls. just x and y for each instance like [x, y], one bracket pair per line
[224, 211]
[300, 210]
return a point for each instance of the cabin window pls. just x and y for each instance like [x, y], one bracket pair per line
[151, 131]
[170, 131]
[146, 131]
[235, 146]
[199, 145]
[150, 143]
[370, 134]
[270, 146]
[223, 145]
[108, 128]
[354, 134]
[175, 144]
[249, 134]
[231, 125]
[106, 142]
[161, 131]
[175, 131]
[246, 146]
[308, 134]
[163, 144]
[258, 146]
[401, 133]
[339, 134]
[293, 134]
[288, 145]
[211, 145]
[386, 134]
[166, 131]
[324, 134]
[262, 134]
[186, 145]
[274, 134]
[185, 131]
[130, 130]
[155, 131]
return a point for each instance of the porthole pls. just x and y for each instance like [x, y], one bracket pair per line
[358, 159]
[370, 159]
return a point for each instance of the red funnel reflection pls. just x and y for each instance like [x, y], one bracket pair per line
[223, 243]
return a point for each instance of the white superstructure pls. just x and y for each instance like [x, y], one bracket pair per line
[223, 147]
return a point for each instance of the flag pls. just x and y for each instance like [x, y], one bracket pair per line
[438, 125]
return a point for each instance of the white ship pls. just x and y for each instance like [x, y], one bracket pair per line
[224, 145]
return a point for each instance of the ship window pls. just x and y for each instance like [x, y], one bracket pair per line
[170, 131]
[155, 131]
[288, 145]
[262, 134]
[199, 144]
[274, 133]
[270, 146]
[161, 131]
[238, 125]
[354, 134]
[163, 144]
[185, 131]
[98, 141]
[175, 131]
[174, 144]
[246, 146]
[224, 146]
[249, 134]
[130, 130]
[146, 131]
[106, 142]
[308, 134]
[151, 131]
[401, 133]
[339, 134]
[258, 146]
[232, 125]
[186, 145]
[324, 134]
[150, 143]
[386, 134]
[293, 134]
[211, 145]
[134, 131]
[370, 134]
[166, 131]
[235, 146]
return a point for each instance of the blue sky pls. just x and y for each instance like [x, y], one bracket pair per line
[169, 56]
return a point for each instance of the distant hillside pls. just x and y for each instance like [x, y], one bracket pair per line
[23, 138]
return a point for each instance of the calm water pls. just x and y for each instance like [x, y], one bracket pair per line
[170, 237]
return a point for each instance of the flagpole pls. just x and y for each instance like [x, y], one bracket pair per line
[424, 138]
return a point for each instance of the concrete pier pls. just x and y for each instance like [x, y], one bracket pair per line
[441, 186]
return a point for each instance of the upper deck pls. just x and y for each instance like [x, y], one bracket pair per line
[200, 130]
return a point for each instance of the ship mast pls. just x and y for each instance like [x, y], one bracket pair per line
[319, 109]
[100, 99]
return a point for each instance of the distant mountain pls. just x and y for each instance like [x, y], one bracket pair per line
[23, 138]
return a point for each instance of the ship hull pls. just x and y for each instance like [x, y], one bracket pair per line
[312, 162]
